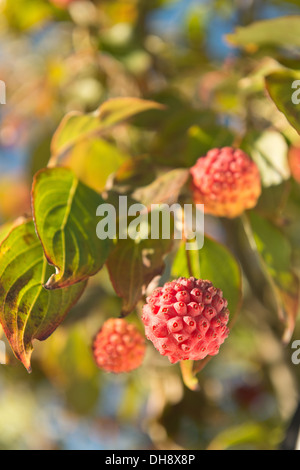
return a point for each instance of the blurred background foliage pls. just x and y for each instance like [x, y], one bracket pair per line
[58, 56]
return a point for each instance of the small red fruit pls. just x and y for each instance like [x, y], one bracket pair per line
[190, 328]
[226, 181]
[119, 346]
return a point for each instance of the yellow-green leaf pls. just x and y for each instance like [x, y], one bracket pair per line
[65, 218]
[77, 126]
[283, 88]
[27, 310]
[281, 31]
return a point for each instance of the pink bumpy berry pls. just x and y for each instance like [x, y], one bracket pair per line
[186, 319]
[119, 346]
[226, 181]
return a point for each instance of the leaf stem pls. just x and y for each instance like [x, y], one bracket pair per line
[188, 375]
[189, 263]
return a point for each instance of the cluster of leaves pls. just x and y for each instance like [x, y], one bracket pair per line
[46, 260]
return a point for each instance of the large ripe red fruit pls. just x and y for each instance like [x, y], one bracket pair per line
[186, 319]
[226, 181]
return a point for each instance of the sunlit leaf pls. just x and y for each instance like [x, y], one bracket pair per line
[284, 91]
[77, 126]
[27, 310]
[65, 219]
[93, 161]
[269, 152]
[282, 31]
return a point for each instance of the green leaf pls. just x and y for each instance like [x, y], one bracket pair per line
[27, 310]
[5, 229]
[275, 251]
[269, 151]
[280, 88]
[77, 126]
[243, 436]
[185, 134]
[65, 218]
[132, 266]
[165, 189]
[215, 263]
[282, 31]
[93, 161]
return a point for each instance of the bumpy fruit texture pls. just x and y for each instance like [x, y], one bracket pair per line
[294, 162]
[119, 346]
[186, 319]
[226, 181]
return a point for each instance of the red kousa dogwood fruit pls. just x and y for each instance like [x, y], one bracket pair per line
[118, 346]
[226, 181]
[186, 319]
[294, 162]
